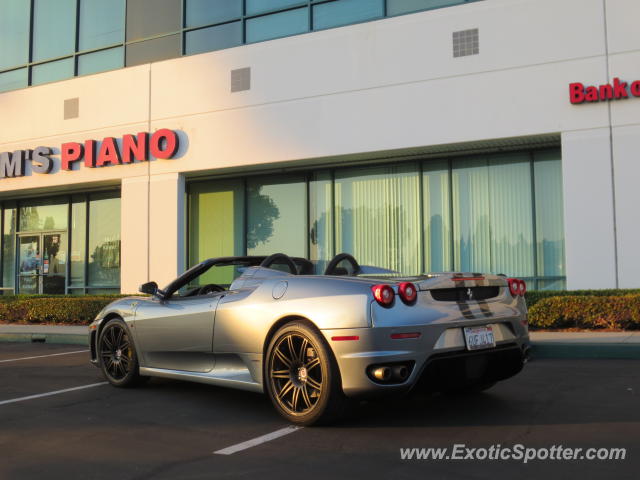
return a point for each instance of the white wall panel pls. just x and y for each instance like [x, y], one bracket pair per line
[626, 154]
[588, 209]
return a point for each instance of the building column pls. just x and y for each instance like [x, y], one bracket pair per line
[166, 227]
[134, 233]
[588, 209]
[626, 148]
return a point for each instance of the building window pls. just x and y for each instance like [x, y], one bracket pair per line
[344, 12]
[61, 245]
[143, 31]
[14, 34]
[101, 24]
[276, 216]
[213, 38]
[54, 29]
[277, 25]
[103, 260]
[498, 213]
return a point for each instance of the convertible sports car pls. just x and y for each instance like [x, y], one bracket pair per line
[311, 342]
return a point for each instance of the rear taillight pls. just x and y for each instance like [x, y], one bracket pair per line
[517, 287]
[408, 292]
[383, 294]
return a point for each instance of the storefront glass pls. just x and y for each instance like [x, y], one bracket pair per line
[44, 245]
[103, 262]
[277, 211]
[498, 213]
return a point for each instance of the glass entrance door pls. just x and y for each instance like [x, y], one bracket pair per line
[29, 264]
[42, 263]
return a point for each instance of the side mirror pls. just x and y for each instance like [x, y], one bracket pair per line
[150, 287]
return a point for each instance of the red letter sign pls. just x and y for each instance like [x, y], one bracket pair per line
[108, 152]
[167, 137]
[137, 147]
[576, 92]
[70, 152]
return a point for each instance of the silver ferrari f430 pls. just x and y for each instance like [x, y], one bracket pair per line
[312, 342]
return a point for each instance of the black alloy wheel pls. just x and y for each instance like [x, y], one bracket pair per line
[117, 355]
[302, 377]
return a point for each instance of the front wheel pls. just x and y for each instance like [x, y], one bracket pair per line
[118, 357]
[301, 376]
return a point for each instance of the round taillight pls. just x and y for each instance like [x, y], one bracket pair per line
[523, 288]
[408, 292]
[517, 287]
[383, 294]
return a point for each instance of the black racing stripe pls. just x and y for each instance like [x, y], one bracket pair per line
[465, 310]
[485, 308]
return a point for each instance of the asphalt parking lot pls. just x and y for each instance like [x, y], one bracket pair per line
[170, 429]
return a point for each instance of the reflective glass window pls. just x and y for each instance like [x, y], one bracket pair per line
[436, 197]
[14, 33]
[470, 180]
[321, 219]
[104, 240]
[38, 215]
[9, 248]
[101, 23]
[345, 12]
[101, 61]
[52, 71]
[147, 18]
[216, 225]
[397, 7]
[276, 216]
[153, 50]
[377, 216]
[277, 25]
[549, 214]
[207, 12]
[78, 240]
[54, 28]
[511, 215]
[492, 219]
[213, 38]
[13, 80]
[261, 6]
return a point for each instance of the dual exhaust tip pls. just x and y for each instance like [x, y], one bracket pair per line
[397, 373]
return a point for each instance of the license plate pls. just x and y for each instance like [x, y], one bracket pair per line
[478, 338]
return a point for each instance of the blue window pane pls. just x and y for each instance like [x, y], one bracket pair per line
[549, 213]
[14, 33]
[207, 12]
[344, 12]
[104, 240]
[52, 71]
[54, 28]
[101, 23]
[260, 6]
[101, 61]
[213, 38]
[278, 25]
[13, 80]
[276, 216]
[397, 7]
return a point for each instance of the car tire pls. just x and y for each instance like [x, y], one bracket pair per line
[302, 378]
[117, 355]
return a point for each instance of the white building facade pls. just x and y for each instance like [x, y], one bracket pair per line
[444, 139]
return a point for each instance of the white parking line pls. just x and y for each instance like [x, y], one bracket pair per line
[257, 441]
[47, 394]
[42, 356]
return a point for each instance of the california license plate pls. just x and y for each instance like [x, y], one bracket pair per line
[478, 338]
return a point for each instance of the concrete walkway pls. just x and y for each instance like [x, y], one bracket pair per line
[66, 334]
[544, 344]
